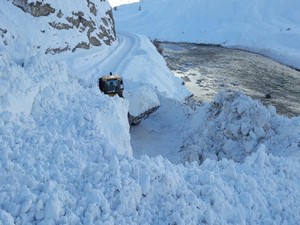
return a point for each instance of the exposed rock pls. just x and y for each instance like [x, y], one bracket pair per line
[268, 96]
[82, 28]
[92, 7]
[60, 26]
[110, 20]
[54, 51]
[3, 32]
[82, 45]
[35, 9]
[94, 41]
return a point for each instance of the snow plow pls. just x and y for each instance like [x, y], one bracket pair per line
[142, 100]
[111, 85]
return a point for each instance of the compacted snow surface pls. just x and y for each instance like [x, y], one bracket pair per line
[68, 155]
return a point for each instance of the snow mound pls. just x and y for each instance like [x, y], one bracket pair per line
[234, 126]
[22, 78]
[53, 180]
[148, 68]
[141, 99]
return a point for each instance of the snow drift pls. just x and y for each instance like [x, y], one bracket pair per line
[69, 175]
[234, 126]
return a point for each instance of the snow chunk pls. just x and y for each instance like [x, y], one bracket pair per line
[6, 218]
[141, 99]
[53, 208]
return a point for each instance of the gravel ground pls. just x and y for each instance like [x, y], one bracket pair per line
[207, 69]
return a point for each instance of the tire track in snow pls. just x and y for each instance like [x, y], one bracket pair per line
[116, 61]
[90, 65]
[133, 45]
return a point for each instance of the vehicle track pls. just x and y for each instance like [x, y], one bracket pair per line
[92, 64]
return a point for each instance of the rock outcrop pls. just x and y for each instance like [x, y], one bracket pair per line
[69, 26]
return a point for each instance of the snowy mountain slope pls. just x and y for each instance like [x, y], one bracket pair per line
[67, 158]
[267, 27]
[61, 26]
[22, 41]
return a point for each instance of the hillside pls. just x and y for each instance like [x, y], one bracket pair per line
[55, 26]
[263, 26]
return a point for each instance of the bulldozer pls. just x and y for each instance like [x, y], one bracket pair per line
[111, 85]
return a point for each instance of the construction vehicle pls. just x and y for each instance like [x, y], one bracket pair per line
[111, 85]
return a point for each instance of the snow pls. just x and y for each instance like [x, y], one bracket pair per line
[267, 27]
[69, 156]
[234, 126]
[115, 3]
[39, 32]
[141, 99]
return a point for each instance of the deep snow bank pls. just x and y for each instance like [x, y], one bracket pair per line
[68, 161]
[40, 90]
[264, 26]
[234, 126]
[60, 183]
[146, 67]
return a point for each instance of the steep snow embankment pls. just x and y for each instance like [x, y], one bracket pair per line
[234, 126]
[43, 91]
[134, 57]
[264, 26]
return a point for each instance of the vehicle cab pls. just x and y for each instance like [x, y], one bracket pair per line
[111, 85]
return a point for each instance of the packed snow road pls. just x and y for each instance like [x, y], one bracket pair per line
[207, 69]
[92, 64]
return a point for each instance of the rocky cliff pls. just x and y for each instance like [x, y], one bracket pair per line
[55, 26]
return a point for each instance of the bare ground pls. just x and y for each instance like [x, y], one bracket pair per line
[207, 69]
